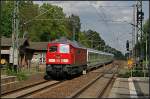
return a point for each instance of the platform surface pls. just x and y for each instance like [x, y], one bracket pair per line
[133, 87]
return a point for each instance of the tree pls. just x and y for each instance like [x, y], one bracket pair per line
[7, 17]
[143, 42]
[73, 23]
[36, 27]
[52, 26]
[92, 39]
[95, 40]
[83, 39]
[27, 11]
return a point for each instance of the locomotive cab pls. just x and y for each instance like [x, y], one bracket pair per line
[65, 58]
[58, 58]
[58, 54]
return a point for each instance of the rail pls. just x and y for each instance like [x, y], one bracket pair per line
[22, 92]
[81, 90]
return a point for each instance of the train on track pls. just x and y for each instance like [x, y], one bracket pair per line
[66, 58]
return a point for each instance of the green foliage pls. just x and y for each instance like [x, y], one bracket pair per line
[125, 73]
[27, 11]
[146, 29]
[51, 24]
[21, 75]
[51, 20]
[141, 45]
[83, 39]
[6, 17]
[74, 25]
[92, 39]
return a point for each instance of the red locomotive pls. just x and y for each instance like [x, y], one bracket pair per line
[65, 58]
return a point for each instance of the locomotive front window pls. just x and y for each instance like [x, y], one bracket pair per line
[64, 48]
[53, 49]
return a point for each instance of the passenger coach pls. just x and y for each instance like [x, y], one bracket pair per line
[97, 58]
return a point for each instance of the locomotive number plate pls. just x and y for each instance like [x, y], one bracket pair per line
[57, 60]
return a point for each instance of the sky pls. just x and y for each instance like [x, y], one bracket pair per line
[94, 15]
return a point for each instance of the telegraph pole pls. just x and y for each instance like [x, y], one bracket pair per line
[133, 33]
[15, 35]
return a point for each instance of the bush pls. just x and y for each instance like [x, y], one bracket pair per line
[124, 75]
[21, 75]
[134, 74]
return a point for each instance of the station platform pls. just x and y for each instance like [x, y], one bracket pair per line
[133, 87]
[7, 79]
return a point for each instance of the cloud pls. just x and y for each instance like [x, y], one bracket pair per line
[74, 7]
[88, 7]
[92, 17]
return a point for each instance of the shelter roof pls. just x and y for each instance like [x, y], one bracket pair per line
[8, 41]
[38, 45]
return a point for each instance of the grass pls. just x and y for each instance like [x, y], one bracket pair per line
[125, 73]
[22, 74]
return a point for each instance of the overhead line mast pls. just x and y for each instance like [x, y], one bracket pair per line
[139, 19]
[15, 35]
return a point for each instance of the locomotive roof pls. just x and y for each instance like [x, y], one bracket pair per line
[78, 45]
[66, 41]
[100, 52]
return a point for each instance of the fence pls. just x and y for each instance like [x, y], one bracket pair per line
[140, 70]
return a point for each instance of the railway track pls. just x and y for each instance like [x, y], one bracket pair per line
[32, 89]
[97, 87]
[44, 87]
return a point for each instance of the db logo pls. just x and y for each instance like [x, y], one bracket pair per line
[57, 60]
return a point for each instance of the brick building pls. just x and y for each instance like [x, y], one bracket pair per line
[29, 52]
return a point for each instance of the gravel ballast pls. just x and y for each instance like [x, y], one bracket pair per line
[69, 86]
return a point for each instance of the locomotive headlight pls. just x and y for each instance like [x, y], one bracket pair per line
[48, 67]
[64, 60]
[51, 60]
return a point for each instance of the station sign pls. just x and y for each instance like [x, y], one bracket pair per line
[15, 58]
[5, 51]
[130, 63]
[11, 55]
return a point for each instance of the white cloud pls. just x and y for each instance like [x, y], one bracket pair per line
[89, 17]
[74, 7]
[95, 4]
[82, 7]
